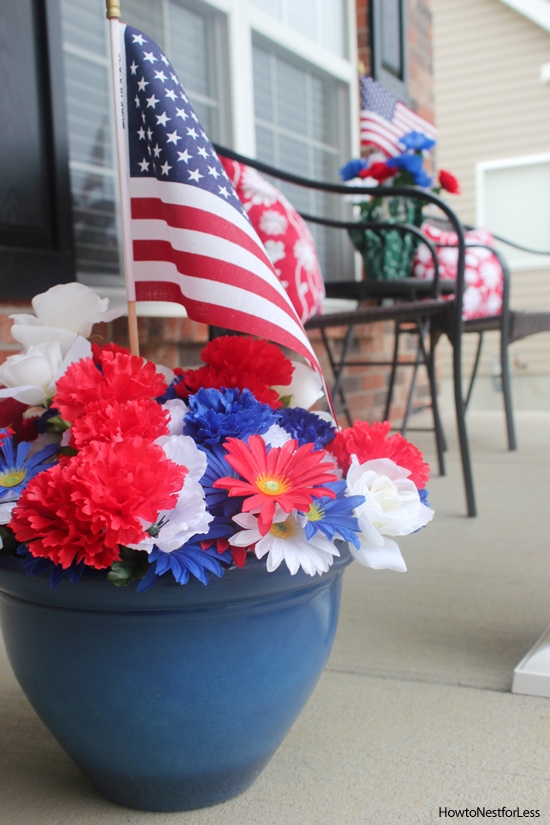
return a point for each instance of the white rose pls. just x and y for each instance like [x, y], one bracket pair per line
[30, 376]
[61, 314]
[392, 507]
[305, 388]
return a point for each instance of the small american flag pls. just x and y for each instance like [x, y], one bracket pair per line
[384, 119]
[190, 240]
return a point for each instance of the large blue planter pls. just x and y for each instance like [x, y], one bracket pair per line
[175, 698]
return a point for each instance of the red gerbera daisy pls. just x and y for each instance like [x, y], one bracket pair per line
[368, 441]
[289, 476]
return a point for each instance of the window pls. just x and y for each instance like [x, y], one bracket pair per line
[388, 46]
[291, 102]
[296, 130]
[514, 202]
[194, 38]
[323, 21]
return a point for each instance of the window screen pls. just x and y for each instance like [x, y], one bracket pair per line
[298, 129]
[194, 40]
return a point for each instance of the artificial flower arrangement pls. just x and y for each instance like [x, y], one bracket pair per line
[388, 253]
[406, 169]
[110, 462]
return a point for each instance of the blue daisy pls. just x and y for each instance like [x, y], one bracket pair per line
[221, 527]
[218, 501]
[334, 516]
[189, 560]
[18, 466]
[38, 566]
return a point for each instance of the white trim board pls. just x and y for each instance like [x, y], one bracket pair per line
[532, 674]
[537, 11]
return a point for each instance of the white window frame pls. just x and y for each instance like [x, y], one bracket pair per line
[516, 258]
[243, 20]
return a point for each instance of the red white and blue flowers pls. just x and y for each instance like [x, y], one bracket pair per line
[110, 462]
[406, 169]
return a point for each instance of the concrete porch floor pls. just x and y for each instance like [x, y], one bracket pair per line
[413, 714]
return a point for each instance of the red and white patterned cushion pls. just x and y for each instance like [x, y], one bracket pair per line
[483, 275]
[287, 240]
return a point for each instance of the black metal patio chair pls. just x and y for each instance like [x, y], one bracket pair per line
[405, 300]
[512, 325]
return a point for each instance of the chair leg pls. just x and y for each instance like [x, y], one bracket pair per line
[506, 388]
[474, 370]
[393, 372]
[337, 368]
[428, 359]
[461, 429]
[395, 363]
[420, 356]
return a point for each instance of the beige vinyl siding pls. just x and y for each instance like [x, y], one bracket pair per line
[491, 105]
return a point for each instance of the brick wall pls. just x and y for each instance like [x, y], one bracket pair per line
[177, 341]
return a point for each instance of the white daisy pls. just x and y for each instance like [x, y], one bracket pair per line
[286, 541]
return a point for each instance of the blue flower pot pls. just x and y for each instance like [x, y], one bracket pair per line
[176, 698]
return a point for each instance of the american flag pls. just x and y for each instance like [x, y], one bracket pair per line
[384, 119]
[191, 241]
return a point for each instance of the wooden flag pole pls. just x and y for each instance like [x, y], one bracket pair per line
[119, 96]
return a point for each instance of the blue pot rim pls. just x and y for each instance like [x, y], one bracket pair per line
[247, 586]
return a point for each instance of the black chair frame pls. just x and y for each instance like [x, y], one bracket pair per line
[407, 300]
[511, 324]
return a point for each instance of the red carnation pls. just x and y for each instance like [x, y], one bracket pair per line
[379, 171]
[84, 508]
[368, 441]
[449, 182]
[211, 378]
[117, 376]
[255, 356]
[110, 420]
[98, 350]
[239, 362]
